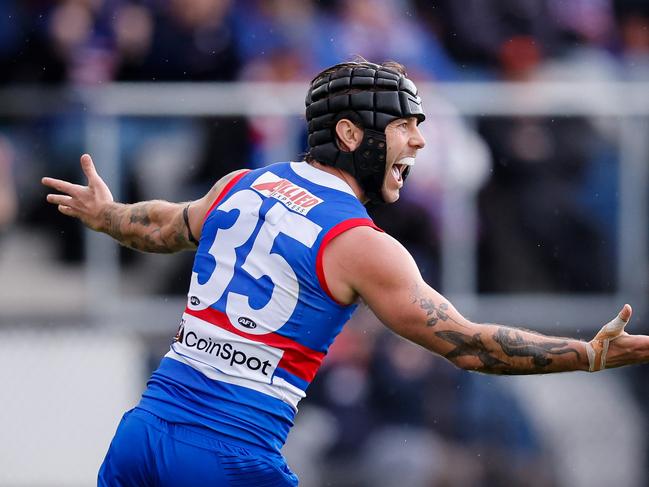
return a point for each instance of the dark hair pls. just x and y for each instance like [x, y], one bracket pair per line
[359, 62]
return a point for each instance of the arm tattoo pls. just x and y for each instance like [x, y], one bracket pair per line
[433, 313]
[143, 226]
[468, 345]
[517, 346]
[140, 215]
[539, 352]
[502, 350]
[113, 223]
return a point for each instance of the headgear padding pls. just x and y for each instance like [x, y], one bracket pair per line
[369, 95]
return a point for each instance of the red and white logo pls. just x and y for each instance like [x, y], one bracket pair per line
[295, 197]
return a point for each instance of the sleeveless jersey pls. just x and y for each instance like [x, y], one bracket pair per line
[259, 316]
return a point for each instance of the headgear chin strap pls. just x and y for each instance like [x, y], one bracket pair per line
[369, 95]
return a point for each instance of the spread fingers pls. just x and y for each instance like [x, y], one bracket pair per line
[67, 210]
[62, 186]
[59, 199]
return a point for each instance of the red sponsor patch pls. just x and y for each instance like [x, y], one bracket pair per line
[293, 196]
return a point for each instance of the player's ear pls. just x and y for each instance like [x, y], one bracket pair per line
[349, 135]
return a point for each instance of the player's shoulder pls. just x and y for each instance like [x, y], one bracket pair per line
[203, 206]
[364, 243]
[362, 257]
[229, 178]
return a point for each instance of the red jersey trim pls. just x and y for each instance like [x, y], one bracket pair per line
[331, 234]
[225, 191]
[299, 360]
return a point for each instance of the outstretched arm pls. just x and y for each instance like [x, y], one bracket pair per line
[374, 266]
[150, 226]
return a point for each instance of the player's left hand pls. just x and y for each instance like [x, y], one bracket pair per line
[614, 347]
[87, 203]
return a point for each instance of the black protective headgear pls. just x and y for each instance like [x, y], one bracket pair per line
[369, 95]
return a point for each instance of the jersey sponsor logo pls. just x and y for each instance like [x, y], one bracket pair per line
[293, 196]
[194, 300]
[231, 354]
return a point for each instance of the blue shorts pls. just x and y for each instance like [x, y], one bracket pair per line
[148, 451]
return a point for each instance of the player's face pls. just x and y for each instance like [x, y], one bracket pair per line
[403, 141]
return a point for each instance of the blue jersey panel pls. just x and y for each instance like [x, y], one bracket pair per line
[181, 394]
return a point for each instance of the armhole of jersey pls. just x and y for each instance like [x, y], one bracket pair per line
[331, 234]
[225, 191]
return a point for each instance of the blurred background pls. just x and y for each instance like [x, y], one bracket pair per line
[528, 207]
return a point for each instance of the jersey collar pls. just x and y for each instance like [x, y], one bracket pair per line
[319, 177]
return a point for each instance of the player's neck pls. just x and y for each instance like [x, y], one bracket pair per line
[344, 175]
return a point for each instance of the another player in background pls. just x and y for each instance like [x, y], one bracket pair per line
[283, 254]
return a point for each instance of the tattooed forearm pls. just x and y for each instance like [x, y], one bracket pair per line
[502, 350]
[436, 325]
[151, 226]
[514, 345]
[466, 345]
[113, 223]
[140, 214]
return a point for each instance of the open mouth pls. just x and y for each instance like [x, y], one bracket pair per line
[399, 168]
[397, 171]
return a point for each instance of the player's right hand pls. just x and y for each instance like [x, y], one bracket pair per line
[87, 203]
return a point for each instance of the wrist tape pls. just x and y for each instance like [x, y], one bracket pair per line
[597, 348]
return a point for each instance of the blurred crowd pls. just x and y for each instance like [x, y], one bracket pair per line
[92, 42]
[95, 41]
[546, 186]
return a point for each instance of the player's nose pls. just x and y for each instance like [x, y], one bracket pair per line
[417, 139]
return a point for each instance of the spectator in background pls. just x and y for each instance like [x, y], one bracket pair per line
[382, 29]
[267, 27]
[587, 30]
[182, 40]
[552, 243]
[80, 30]
[276, 137]
[188, 40]
[27, 54]
[271, 37]
[633, 18]
[177, 40]
[473, 31]
[133, 28]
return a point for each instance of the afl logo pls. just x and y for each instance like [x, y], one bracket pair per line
[247, 322]
[194, 301]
